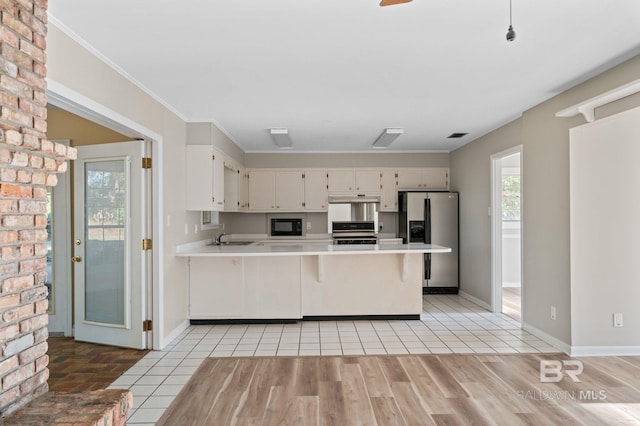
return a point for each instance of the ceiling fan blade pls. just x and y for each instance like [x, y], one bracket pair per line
[392, 2]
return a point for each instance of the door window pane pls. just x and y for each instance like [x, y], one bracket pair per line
[105, 219]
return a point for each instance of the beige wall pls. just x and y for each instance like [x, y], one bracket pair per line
[75, 68]
[208, 133]
[470, 176]
[375, 159]
[545, 178]
[65, 125]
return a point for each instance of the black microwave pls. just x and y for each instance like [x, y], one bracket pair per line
[286, 227]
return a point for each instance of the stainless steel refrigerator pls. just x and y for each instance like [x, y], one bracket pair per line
[432, 218]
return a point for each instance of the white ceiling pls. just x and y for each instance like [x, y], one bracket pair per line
[338, 72]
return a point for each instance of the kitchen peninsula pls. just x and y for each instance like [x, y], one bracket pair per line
[286, 281]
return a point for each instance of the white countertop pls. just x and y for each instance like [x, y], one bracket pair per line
[306, 248]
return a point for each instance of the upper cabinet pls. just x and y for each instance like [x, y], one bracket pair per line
[271, 190]
[368, 181]
[204, 178]
[389, 193]
[430, 178]
[231, 185]
[354, 181]
[316, 192]
[243, 190]
[262, 190]
[290, 190]
[341, 180]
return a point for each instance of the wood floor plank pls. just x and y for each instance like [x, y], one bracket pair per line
[410, 404]
[433, 400]
[404, 390]
[307, 377]
[374, 377]
[393, 370]
[258, 392]
[331, 405]
[387, 412]
[196, 397]
[329, 369]
[357, 406]
[443, 378]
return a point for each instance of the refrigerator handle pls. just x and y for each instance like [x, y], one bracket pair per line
[427, 221]
[427, 266]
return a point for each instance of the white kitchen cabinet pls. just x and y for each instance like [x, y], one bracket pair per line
[428, 178]
[389, 193]
[341, 181]
[368, 181]
[262, 190]
[271, 190]
[316, 194]
[204, 178]
[243, 190]
[354, 181]
[250, 287]
[215, 287]
[289, 190]
[272, 287]
[231, 186]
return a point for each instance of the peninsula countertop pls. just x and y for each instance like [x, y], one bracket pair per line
[304, 248]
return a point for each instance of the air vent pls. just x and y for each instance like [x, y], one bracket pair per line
[457, 135]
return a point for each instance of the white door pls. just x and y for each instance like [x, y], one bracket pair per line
[110, 220]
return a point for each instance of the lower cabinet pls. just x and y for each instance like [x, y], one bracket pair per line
[293, 287]
[244, 287]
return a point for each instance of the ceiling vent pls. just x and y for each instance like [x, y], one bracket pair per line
[387, 137]
[280, 136]
[457, 135]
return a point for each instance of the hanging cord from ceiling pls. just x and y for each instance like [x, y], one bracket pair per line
[511, 34]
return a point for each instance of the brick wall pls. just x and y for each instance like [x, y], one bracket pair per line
[28, 164]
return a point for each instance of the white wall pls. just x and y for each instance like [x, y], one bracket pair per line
[470, 176]
[73, 67]
[605, 233]
[545, 203]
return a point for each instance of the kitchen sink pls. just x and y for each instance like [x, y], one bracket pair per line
[234, 243]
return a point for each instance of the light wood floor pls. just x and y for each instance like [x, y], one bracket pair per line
[511, 302]
[406, 390]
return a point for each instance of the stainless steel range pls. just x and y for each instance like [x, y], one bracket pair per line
[354, 232]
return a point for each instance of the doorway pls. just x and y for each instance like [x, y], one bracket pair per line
[85, 135]
[506, 168]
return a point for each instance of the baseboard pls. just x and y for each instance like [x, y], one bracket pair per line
[546, 337]
[164, 341]
[406, 317]
[511, 285]
[439, 290]
[233, 321]
[475, 300]
[605, 351]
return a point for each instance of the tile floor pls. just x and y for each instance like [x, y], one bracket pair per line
[449, 324]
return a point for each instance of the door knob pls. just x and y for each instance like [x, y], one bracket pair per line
[75, 259]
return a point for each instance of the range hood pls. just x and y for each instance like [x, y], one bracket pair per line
[359, 198]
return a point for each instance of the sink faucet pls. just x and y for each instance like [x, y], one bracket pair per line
[217, 240]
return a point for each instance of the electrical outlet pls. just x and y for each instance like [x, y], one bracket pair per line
[553, 312]
[380, 225]
[186, 229]
[617, 319]
[308, 226]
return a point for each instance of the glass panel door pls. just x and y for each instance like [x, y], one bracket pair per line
[106, 286]
[110, 267]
